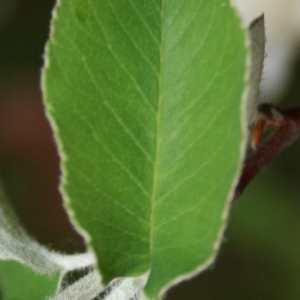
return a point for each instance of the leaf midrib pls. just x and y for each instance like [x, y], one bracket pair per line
[157, 138]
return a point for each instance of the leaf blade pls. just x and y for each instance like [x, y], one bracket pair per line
[20, 282]
[137, 92]
[176, 186]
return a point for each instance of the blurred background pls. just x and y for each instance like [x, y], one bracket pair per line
[260, 257]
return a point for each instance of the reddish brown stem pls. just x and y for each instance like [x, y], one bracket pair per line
[287, 124]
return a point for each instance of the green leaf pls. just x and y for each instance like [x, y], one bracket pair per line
[18, 282]
[144, 97]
